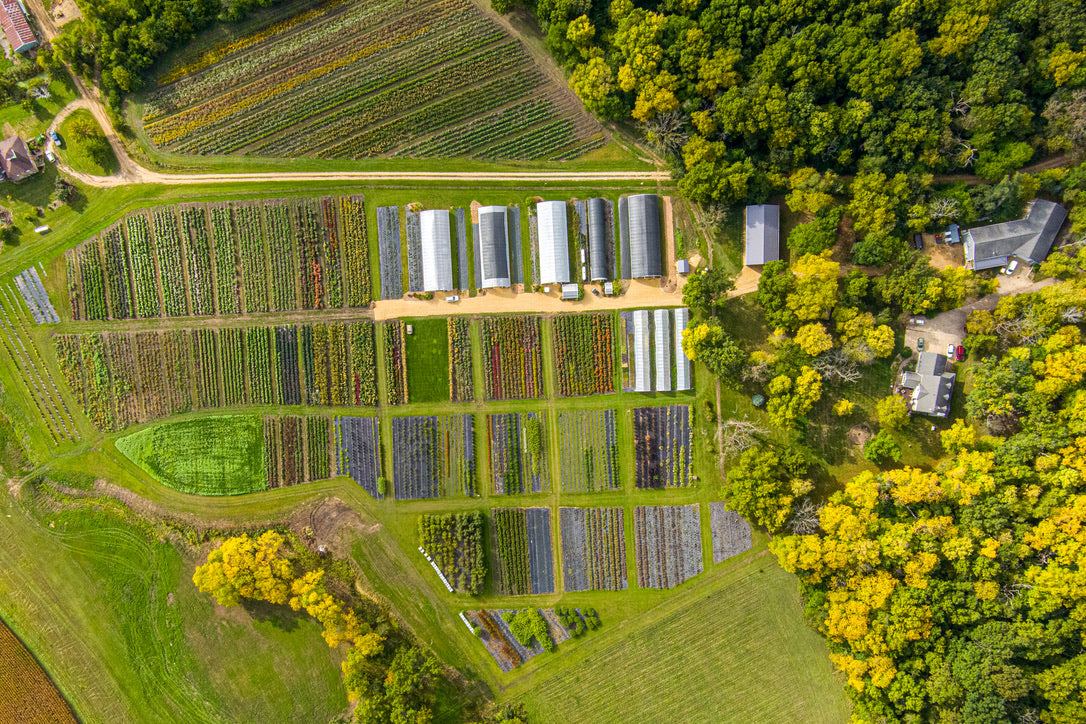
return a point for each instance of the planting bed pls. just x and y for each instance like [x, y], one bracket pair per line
[662, 446]
[358, 452]
[388, 244]
[125, 378]
[509, 653]
[584, 349]
[731, 534]
[525, 556]
[461, 382]
[455, 542]
[593, 549]
[589, 451]
[512, 363]
[297, 449]
[518, 453]
[433, 457]
[395, 354]
[204, 259]
[668, 544]
[352, 80]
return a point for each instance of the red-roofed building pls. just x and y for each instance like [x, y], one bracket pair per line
[16, 28]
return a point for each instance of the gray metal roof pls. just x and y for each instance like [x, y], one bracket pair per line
[599, 233]
[763, 234]
[1030, 239]
[682, 362]
[662, 334]
[436, 251]
[570, 292]
[493, 247]
[639, 357]
[642, 223]
[932, 385]
[553, 234]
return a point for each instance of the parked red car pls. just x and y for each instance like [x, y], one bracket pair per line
[961, 353]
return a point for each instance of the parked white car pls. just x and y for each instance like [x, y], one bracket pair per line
[50, 156]
[950, 349]
[452, 298]
[1012, 266]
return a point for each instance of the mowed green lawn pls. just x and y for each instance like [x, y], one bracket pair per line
[112, 614]
[738, 654]
[428, 360]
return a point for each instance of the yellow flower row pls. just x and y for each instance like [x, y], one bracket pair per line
[199, 116]
[223, 50]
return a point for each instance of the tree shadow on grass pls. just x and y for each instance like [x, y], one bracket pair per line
[281, 617]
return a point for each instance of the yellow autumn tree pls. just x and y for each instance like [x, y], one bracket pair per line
[246, 568]
[814, 339]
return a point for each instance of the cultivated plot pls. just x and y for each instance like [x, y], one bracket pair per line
[461, 365]
[297, 449]
[354, 80]
[433, 457]
[518, 453]
[525, 555]
[395, 354]
[26, 692]
[498, 628]
[662, 446]
[454, 541]
[668, 544]
[388, 244]
[512, 361]
[731, 534]
[224, 259]
[125, 378]
[589, 451]
[593, 549]
[584, 353]
[358, 452]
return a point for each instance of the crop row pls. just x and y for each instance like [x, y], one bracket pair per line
[226, 259]
[461, 382]
[518, 459]
[26, 692]
[512, 361]
[511, 534]
[395, 354]
[731, 534]
[593, 549]
[584, 354]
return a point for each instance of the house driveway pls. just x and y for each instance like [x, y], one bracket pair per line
[949, 327]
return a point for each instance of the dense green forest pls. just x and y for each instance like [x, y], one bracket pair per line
[746, 90]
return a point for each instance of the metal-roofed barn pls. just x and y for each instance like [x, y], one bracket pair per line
[17, 30]
[762, 237]
[493, 257]
[1029, 239]
[437, 273]
[642, 344]
[640, 224]
[682, 362]
[662, 333]
[599, 239]
[553, 231]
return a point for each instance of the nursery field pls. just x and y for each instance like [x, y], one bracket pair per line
[584, 354]
[225, 259]
[512, 361]
[593, 549]
[589, 451]
[436, 78]
[518, 453]
[26, 693]
[667, 539]
[433, 456]
[358, 452]
[123, 378]
[662, 446]
[455, 542]
[522, 541]
[756, 661]
[427, 351]
[731, 534]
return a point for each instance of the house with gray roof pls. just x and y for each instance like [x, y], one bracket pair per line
[552, 227]
[762, 236]
[15, 159]
[639, 228]
[493, 247]
[1029, 239]
[931, 384]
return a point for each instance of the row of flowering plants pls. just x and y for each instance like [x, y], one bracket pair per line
[512, 359]
[584, 353]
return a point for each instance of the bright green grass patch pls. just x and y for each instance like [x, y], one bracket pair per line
[738, 654]
[209, 456]
[88, 155]
[428, 360]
